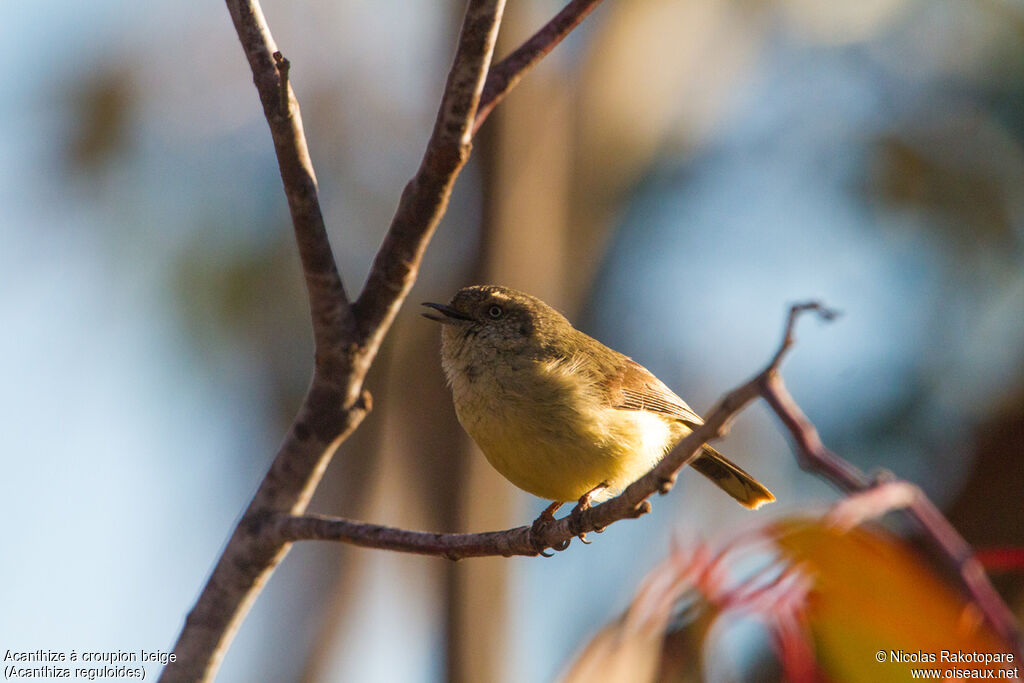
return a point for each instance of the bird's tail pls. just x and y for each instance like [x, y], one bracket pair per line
[731, 479]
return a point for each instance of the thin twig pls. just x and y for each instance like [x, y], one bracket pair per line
[425, 198]
[507, 73]
[328, 301]
[788, 339]
[811, 453]
[872, 503]
[950, 546]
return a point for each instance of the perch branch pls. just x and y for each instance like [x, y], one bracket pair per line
[631, 503]
[868, 498]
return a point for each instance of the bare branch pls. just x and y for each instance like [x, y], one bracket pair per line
[335, 403]
[788, 339]
[507, 73]
[950, 546]
[425, 198]
[327, 299]
[960, 557]
[872, 503]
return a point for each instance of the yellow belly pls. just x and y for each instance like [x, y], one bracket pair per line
[563, 443]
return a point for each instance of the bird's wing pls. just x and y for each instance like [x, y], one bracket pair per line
[631, 386]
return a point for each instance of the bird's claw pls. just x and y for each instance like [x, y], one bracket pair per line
[537, 529]
[544, 518]
[576, 525]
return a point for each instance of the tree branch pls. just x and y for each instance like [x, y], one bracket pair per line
[345, 344]
[328, 302]
[949, 545]
[507, 73]
[425, 198]
[348, 336]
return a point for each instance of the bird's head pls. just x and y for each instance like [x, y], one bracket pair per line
[484, 322]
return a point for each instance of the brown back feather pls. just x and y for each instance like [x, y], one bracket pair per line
[631, 386]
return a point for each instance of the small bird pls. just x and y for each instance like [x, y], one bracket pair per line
[558, 413]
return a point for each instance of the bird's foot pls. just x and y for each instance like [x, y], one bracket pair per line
[584, 504]
[537, 528]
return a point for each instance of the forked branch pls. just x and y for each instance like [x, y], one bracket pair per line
[347, 335]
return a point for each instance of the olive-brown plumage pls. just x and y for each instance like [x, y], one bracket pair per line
[558, 413]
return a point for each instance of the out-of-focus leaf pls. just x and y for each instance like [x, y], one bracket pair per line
[101, 106]
[873, 598]
[629, 650]
[974, 195]
[248, 304]
[1002, 559]
[838, 606]
[843, 22]
[665, 632]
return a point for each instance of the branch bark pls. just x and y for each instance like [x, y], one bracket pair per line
[328, 301]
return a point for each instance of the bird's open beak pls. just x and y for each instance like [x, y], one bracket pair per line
[450, 314]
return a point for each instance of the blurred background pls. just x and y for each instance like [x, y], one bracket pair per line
[672, 178]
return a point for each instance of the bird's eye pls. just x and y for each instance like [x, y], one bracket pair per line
[495, 312]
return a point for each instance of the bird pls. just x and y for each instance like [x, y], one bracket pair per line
[556, 412]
